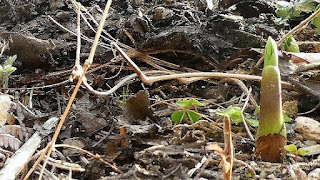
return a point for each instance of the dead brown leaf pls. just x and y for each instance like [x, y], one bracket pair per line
[138, 107]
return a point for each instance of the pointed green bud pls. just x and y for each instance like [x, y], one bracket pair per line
[291, 45]
[10, 60]
[11, 69]
[271, 134]
[271, 53]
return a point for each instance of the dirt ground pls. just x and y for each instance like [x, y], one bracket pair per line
[131, 128]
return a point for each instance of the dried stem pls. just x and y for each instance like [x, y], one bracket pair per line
[97, 157]
[228, 148]
[150, 80]
[243, 120]
[87, 64]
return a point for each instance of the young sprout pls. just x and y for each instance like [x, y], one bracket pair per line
[291, 45]
[6, 69]
[188, 112]
[292, 149]
[271, 135]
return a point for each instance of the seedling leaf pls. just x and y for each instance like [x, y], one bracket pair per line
[316, 21]
[248, 175]
[291, 45]
[287, 10]
[234, 113]
[305, 5]
[10, 60]
[302, 152]
[257, 111]
[183, 103]
[197, 103]
[194, 117]
[286, 118]
[253, 122]
[178, 116]
[291, 148]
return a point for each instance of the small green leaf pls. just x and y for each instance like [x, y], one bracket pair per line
[189, 102]
[291, 148]
[194, 117]
[234, 113]
[184, 103]
[302, 152]
[257, 111]
[197, 103]
[178, 116]
[253, 122]
[286, 118]
[248, 175]
[10, 60]
[11, 70]
[221, 113]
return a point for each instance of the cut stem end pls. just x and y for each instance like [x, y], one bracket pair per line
[271, 147]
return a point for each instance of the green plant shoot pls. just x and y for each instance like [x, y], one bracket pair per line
[292, 149]
[6, 69]
[237, 116]
[291, 45]
[286, 10]
[291, 10]
[189, 110]
[271, 134]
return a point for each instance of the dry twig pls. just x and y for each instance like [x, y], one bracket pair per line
[150, 80]
[87, 64]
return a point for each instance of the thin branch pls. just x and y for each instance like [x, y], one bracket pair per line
[98, 157]
[73, 33]
[242, 116]
[150, 80]
[243, 87]
[87, 64]
[250, 168]
[50, 145]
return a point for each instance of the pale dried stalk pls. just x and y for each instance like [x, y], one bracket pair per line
[242, 116]
[243, 87]
[228, 149]
[65, 165]
[77, 69]
[97, 157]
[150, 80]
[87, 64]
